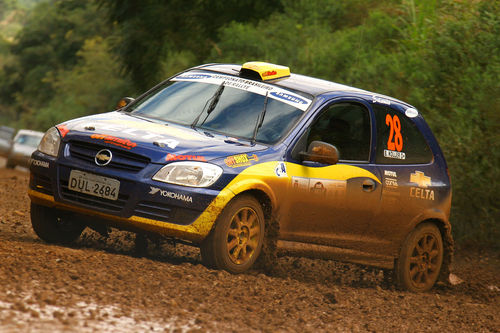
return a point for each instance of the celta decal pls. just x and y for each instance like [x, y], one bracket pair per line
[423, 182]
[240, 160]
[280, 169]
[170, 143]
[113, 140]
[171, 195]
[173, 157]
[137, 130]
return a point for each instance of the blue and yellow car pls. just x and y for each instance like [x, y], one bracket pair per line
[245, 160]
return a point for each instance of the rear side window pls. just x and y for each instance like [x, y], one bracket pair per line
[398, 139]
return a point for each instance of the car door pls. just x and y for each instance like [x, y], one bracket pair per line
[409, 182]
[333, 204]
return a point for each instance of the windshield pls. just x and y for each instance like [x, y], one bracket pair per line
[29, 140]
[225, 104]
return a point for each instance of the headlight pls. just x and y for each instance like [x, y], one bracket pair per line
[195, 174]
[50, 142]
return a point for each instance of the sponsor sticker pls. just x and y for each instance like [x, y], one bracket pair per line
[236, 161]
[170, 143]
[289, 97]
[423, 182]
[256, 87]
[394, 154]
[395, 141]
[38, 163]
[113, 140]
[318, 186]
[269, 73]
[171, 195]
[280, 170]
[173, 157]
[390, 178]
[380, 100]
[411, 112]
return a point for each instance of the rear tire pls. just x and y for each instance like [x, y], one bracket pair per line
[236, 241]
[419, 263]
[54, 226]
[9, 164]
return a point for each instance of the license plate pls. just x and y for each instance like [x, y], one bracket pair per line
[95, 185]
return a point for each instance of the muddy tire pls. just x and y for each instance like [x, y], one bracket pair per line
[53, 226]
[236, 241]
[420, 260]
[9, 164]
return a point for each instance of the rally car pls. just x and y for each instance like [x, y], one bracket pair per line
[242, 159]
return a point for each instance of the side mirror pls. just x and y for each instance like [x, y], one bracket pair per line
[321, 152]
[124, 102]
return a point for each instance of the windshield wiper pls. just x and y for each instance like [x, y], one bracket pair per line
[214, 100]
[260, 120]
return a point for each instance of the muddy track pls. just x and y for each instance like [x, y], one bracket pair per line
[100, 285]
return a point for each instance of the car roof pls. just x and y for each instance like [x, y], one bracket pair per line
[298, 82]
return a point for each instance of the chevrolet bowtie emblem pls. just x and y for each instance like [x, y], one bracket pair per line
[103, 157]
[420, 179]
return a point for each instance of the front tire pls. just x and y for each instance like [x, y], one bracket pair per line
[236, 241]
[421, 257]
[52, 226]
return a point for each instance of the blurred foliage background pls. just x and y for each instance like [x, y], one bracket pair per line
[61, 59]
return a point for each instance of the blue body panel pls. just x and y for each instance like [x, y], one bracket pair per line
[376, 222]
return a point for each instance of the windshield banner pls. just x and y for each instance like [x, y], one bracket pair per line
[256, 87]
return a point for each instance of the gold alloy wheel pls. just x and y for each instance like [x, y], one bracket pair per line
[243, 235]
[425, 261]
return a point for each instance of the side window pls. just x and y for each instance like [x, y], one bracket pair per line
[398, 139]
[347, 127]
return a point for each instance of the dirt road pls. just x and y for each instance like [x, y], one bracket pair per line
[98, 285]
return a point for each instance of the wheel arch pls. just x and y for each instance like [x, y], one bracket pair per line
[444, 226]
[266, 201]
[268, 255]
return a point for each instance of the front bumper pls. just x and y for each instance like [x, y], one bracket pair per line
[137, 207]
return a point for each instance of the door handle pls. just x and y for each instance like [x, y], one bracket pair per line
[368, 185]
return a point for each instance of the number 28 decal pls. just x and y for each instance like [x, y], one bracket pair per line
[395, 141]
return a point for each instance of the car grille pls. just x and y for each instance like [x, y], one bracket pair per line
[92, 201]
[122, 160]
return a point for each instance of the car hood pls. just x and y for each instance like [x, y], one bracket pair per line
[161, 142]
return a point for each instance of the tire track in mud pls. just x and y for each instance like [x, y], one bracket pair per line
[99, 284]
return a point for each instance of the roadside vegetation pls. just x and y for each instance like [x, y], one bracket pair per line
[63, 59]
